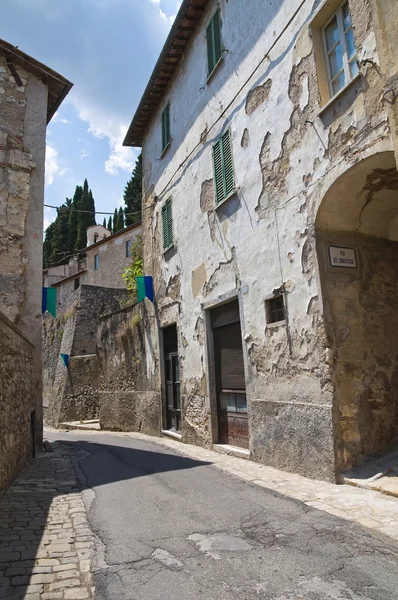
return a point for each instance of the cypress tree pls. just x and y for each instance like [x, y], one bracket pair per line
[120, 219]
[86, 219]
[115, 221]
[104, 223]
[74, 219]
[110, 224]
[133, 194]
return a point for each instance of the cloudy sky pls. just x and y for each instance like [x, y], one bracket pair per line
[108, 49]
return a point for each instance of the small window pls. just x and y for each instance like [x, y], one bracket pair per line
[95, 237]
[165, 127]
[340, 51]
[275, 309]
[214, 49]
[96, 262]
[128, 248]
[224, 175]
[167, 223]
[76, 283]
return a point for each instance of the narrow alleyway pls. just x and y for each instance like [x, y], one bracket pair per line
[170, 526]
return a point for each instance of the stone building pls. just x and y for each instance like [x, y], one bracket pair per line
[109, 256]
[30, 93]
[270, 227]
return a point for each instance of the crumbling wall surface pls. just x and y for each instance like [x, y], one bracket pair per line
[127, 402]
[288, 149]
[71, 393]
[16, 389]
[23, 114]
[16, 165]
[362, 324]
[94, 303]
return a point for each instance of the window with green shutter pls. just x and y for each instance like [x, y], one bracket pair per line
[224, 175]
[214, 49]
[165, 127]
[167, 223]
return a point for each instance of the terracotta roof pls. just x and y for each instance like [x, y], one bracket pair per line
[58, 86]
[181, 33]
[114, 235]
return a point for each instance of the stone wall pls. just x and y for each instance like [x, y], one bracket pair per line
[112, 259]
[127, 402]
[23, 118]
[16, 390]
[72, 393]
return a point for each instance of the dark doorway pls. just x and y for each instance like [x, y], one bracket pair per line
[172, 378]
[233, 424]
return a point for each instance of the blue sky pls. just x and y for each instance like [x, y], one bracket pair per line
[107, 48]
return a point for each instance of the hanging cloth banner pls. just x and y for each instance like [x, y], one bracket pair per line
[65, 359]
[145, 288]
[49, 301]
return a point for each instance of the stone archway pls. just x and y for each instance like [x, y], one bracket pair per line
[357, 246]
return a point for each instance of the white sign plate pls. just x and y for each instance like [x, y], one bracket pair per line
[342, 257]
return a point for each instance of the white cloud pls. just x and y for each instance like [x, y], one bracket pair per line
[101, 125]
[52, 166]
[57, 119]
[84, 154]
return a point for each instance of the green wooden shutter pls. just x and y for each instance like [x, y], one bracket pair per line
[218, 171]
[167, 224]
[228, 166]
[224, 175]
[210, 54]
[165, 126]
[213, 37]
[217, 37]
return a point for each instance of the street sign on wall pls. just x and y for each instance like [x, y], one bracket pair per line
[343, 257]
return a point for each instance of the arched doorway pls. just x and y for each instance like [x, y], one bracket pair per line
[357, 246]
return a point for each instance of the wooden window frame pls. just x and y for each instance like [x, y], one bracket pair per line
[228, 188]
[338, 14]
[270, 311]
[319, 21]
[168, 239]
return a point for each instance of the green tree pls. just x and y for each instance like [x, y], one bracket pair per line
[135, 268]
[115, 221]
[60, 248]
[86, 217]
[47, 245]
[74, 218]
[120, 219]
[133, 194]
[104, 223]
[110, 224]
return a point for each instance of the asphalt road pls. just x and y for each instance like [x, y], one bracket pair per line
[172, 528]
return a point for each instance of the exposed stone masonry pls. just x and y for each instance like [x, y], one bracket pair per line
[16, 390]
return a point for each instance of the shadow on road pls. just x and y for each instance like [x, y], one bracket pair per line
[40, 514]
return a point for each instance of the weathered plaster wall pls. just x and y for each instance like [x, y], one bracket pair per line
[286, 155]
[362, 324]
[112, 260]
[127, 402]
[16, 390]
[23, 113]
